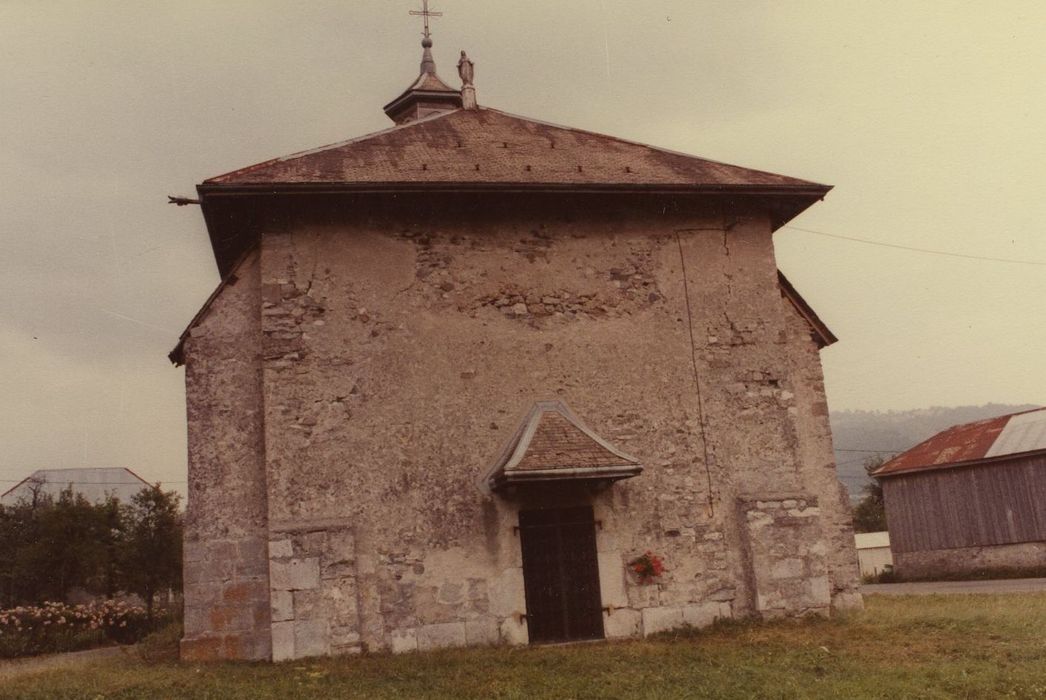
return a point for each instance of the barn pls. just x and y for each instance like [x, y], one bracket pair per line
[971, 498]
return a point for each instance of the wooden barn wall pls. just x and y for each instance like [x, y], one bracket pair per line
[967, 506]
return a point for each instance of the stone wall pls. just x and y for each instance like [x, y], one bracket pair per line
[226, 528]
[785, 555]
[819, 476]
[313, 589]
[966, 560]
[397, 358]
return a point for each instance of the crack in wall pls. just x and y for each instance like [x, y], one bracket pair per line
[697, 378]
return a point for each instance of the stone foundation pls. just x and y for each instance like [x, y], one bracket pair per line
[966, 560]
[226, 600]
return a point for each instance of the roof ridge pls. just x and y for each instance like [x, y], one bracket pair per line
[986, 420]
[330, 146]
[641, 144]
[794, 181]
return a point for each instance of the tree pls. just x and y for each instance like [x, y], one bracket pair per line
[36, 485]
[20, 542]
[151, 550]
[50, 546]
[61, 547]
[110, 533]
[870, 511]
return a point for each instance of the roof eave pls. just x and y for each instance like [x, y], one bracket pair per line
[823, 334]
[177, 355]
[542, 476]
[415, 95]
[881, 474]
[784, 201]
[814, 192]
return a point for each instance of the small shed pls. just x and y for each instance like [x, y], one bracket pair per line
[873, 552]
[970, 498]
[94, 484]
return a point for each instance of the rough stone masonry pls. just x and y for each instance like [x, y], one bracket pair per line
[461, 374]
[352, 381]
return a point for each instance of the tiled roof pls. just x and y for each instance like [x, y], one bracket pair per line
[558, 443]
[488, 147]
[988, 439]
[551, 444]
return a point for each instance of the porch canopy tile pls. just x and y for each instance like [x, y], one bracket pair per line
[552, 444]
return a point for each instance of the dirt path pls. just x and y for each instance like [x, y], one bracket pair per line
[1013, 585]
[11, 668]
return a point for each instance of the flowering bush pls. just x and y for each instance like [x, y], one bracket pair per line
[55, 627]
[647, 567]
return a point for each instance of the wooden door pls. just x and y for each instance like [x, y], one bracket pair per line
[561, 574]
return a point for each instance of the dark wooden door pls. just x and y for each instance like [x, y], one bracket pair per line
[561, 574]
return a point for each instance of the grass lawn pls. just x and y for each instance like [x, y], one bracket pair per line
[960, 646]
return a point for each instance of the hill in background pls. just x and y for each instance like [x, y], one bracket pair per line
[860, 435]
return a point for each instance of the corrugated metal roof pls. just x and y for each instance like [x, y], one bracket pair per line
[486, 146]
[95, 484]
[983, 439]
[1024, 432]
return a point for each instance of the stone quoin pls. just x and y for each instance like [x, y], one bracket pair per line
[459, 373]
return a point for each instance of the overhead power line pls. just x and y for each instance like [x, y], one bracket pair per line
[917, 250]
[90, 483]
[844, 449]
[848, 462]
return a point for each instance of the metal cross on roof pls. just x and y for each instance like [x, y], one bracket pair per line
[424, 12]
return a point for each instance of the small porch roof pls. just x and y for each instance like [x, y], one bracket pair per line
[553, 445]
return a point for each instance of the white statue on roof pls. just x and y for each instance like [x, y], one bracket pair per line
[466, 70]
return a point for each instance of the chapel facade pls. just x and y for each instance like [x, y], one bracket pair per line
[463, 377]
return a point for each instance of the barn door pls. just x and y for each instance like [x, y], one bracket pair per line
[561, 574]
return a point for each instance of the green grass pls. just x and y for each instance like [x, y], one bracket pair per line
[904, 647]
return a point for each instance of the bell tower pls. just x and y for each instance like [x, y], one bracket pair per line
[428, 94]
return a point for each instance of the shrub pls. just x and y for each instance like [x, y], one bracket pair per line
[161, 645]
[58, 627]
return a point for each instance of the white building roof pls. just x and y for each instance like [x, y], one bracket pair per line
[94, 484]
[872, 540]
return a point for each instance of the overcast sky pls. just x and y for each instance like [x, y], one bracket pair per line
[928, 117]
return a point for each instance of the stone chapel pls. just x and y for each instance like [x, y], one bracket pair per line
[464, 376]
